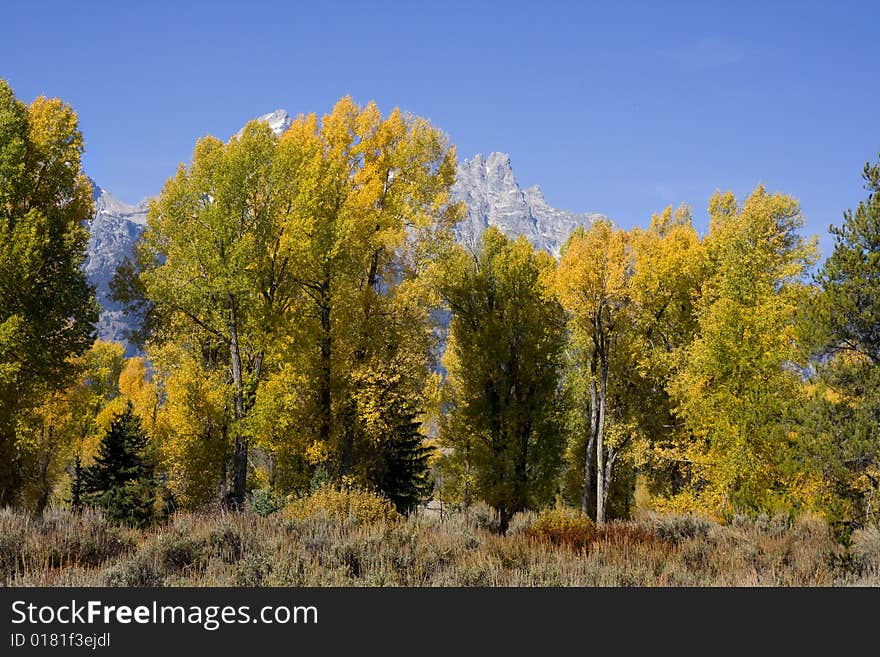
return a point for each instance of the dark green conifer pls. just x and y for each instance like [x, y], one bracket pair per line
[405, 477]
[122, 479]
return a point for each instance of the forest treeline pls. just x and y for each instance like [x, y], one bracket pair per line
[308, 320]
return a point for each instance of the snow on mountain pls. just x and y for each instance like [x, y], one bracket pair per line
[486, 185]
[279, 121]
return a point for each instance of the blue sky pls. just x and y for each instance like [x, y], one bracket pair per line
[621, 108]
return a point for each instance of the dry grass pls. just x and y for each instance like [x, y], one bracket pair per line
[223, 549]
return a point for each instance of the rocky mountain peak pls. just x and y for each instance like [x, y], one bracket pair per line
[493, 197]
[535, 195]
[113, 231]
[279, 120]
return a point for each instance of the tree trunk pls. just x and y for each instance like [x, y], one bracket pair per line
[225, 463]
[272, 466]
[609, 466]
[591, 441]
[521, 483]
[76, 485]
[324, 391]
[467, 476]
[45, 487]
[240, 449]
[503, 520]
[601, 493]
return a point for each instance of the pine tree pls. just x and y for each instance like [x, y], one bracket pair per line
[843, 420]
[121, 480]
[850, 278]
[405, 478]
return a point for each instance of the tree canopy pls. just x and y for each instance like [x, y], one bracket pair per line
[47, 308]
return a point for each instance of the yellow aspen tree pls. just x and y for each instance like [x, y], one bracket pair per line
[593, 283]
[740, 378]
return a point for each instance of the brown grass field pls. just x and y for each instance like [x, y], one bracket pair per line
[62, 548]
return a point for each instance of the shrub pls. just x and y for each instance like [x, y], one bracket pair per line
[177, 551]
[252, 570]
[483, 517]
[58, 539]
[226, 542]
[320, 478]
[264, 504]
[136, 571]
[521, 522]
[624, 533]
[866, 547]
[357, 505]
[677, 528]
[563, 527]
[13, 534]
[242, 549]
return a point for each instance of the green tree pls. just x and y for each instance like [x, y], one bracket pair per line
[837, 463]
[122, 477]
[403, 474]
[844, 418]
[849, 306]
[208, 266]
[47, 309]
[739, 386]
[504, 398]
[370, 217]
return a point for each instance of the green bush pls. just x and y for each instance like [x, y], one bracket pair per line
[177, 551]
[264, 504]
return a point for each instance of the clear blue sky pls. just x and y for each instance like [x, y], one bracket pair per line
[619, 108]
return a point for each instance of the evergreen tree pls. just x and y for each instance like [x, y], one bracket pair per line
[404, 477]
[121, 480]
[843, 422]
[850, 278]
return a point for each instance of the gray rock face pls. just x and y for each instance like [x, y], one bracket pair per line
[494, 198]
[486, 185]
[112, 233]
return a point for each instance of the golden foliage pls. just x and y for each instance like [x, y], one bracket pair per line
[343, 504]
